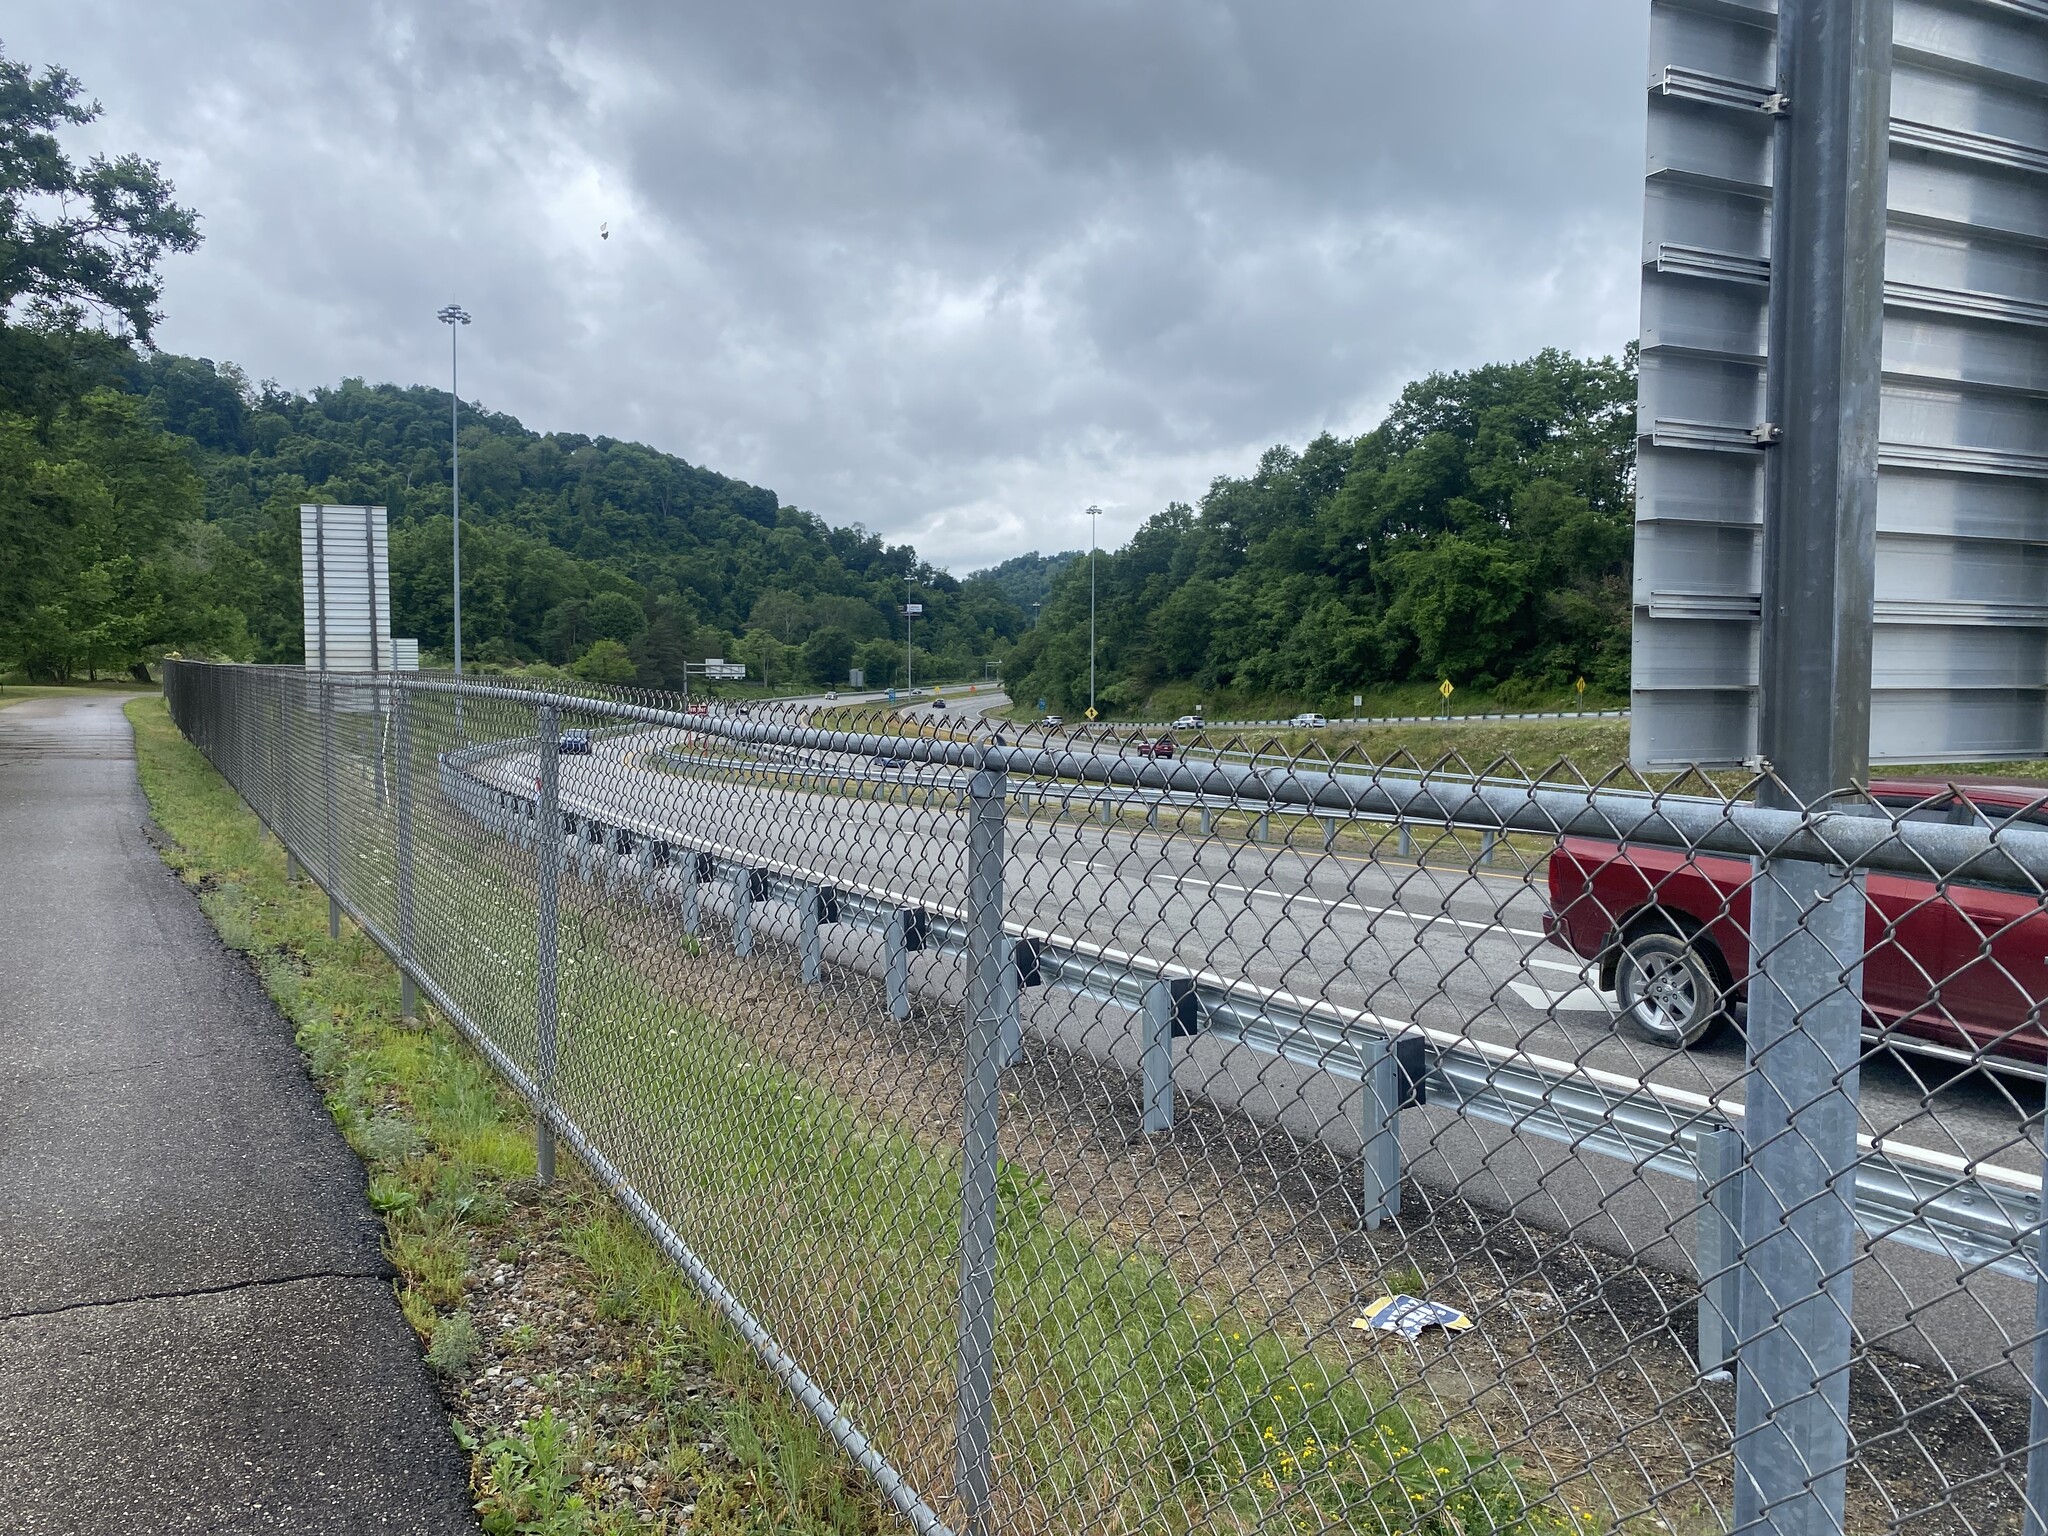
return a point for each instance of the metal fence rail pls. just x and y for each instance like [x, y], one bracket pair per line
[1054, 1158]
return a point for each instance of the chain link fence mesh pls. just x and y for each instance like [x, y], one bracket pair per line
[1058, 1116]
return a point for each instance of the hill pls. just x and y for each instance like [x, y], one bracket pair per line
[568, 541]
[1480, 534]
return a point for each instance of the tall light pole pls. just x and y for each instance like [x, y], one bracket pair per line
[909, 614]
[1094, 521]
[455, 317]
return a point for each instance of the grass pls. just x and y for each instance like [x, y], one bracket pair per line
[449, 1154]
[1172, 700]
[15, 693]
[1128, 1398]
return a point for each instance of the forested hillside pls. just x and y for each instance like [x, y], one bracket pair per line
[1480, 534]
[574, 548]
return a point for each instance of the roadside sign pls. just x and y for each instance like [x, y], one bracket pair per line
[1580, 685]
[345, 575]
[856, 678]
[725, 671]
[913, 609]
[1089, 711]
[1357, 701]
[1962, 452]
[1446, 688]
[1041, 703]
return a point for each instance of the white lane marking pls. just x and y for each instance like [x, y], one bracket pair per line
[1424, 919]
[1577, 1000]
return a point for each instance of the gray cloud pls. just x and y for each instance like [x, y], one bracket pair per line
[952, 270]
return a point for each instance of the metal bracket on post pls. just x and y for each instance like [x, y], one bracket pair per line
[1718, 1247]
[1172, 1010]
[973, 1481]
[743, 888]
[908, 932]
[548, 941]
[1021, 969]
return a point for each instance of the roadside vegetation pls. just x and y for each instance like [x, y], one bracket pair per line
[613, 1392]
[1128, 1398]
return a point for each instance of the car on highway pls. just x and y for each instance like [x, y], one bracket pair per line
[1309, 721]
[573, 742]
[1162, 747]
[938, 703]
[1958, 970]
[888, 765]
[831, 693]
[1188, 723]
[1052, 722]
[700, 708]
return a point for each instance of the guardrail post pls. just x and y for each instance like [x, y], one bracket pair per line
[650, 852]
[986, 956]
[1157, 1061]
[809, 946]
[1015, 957]
[1718, 1252]
[1202, 820]
[1486, 841]
[743, 912]
[896, 968]
[2034, 1519]
[1329, 833]
[1381, 1105]
[693, 880]
[1405, 842]
[401, 785]
[548, 941]
[1798, 1214]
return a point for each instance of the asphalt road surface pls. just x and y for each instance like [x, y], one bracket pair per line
[1451, 948]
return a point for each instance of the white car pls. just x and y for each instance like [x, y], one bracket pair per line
[832, 693]
[1308, 721]
[1188, 723]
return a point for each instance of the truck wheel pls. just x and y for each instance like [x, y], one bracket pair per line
[1668, 992]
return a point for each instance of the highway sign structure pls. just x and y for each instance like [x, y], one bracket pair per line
[345, 575]
[1959, 654]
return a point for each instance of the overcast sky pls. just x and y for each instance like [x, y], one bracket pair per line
[951, 268]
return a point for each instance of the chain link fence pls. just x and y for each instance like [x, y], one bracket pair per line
[1096, 1140]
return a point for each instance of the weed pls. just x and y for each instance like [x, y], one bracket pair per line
[455, 1344]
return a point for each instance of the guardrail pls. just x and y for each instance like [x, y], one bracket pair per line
[1980, 1218]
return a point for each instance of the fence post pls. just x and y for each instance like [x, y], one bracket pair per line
[2034, 1519]
[1798, 1216]
[1717, 1247]
[549, 940]
[986, 954]
[401, 787]
[1822, 395]
[331, 850]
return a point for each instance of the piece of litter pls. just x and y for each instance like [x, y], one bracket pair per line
[1409, 1315]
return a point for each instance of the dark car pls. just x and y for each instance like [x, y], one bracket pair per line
[1163, 747]
[1956, 969]
[573, 741]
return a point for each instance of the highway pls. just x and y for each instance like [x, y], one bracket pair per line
[1453, 949]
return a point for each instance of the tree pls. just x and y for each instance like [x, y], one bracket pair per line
[80, 245]
[606, 661]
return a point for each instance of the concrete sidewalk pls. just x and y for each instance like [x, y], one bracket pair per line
[197, 1327]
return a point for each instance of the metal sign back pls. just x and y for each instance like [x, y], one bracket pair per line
[1960, 659]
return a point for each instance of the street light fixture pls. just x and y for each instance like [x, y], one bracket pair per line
[455, 317]
[1094, 521]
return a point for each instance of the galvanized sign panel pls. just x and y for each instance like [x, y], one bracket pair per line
[1960, 657]
[345, 573]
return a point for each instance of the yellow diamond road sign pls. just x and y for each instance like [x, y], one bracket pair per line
[1445, 688]
[1580, 685]
[1090, 711]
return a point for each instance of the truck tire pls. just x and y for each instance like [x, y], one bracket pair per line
[1669, 992]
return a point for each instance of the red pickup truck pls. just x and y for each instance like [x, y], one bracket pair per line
[1955, 970]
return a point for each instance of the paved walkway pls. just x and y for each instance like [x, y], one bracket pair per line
[197, 1327]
